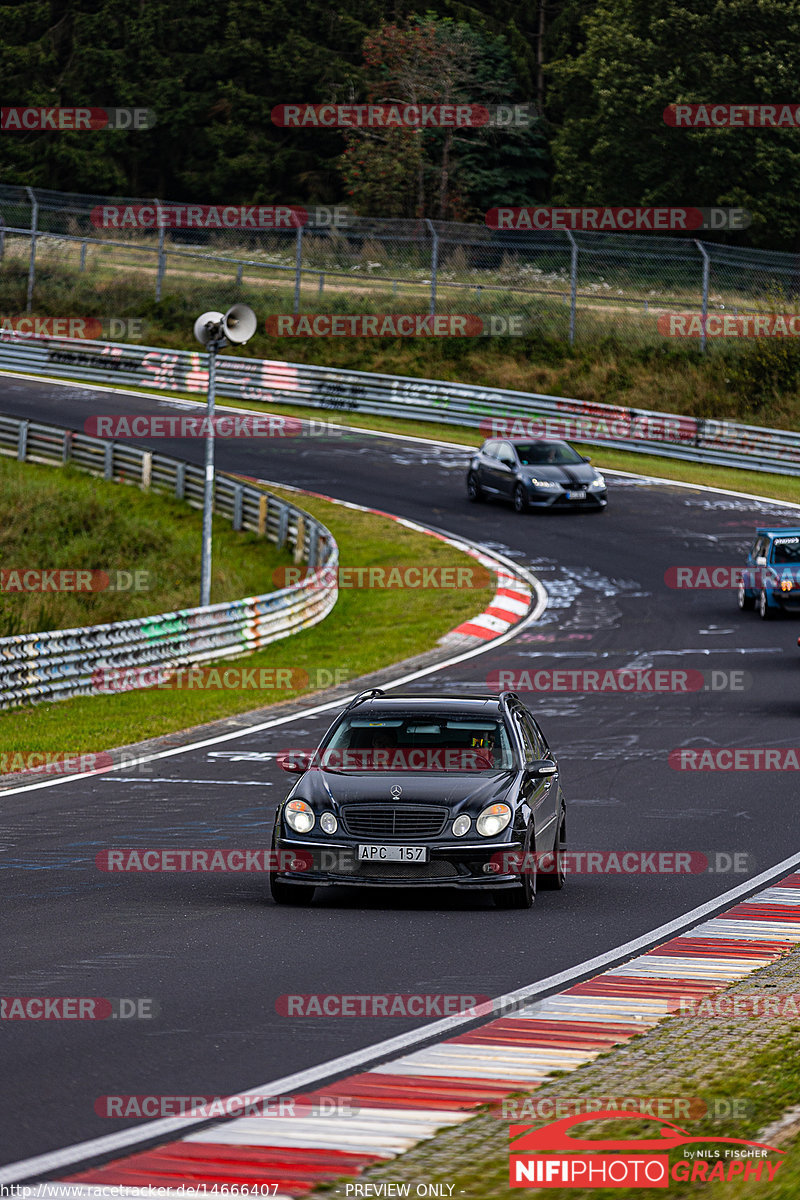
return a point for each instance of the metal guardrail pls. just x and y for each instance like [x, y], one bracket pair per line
[78, 662]
[494, 410]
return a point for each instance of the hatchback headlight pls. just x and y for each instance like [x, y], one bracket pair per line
[598, 481]
[543, 483]
[328, 822]
[300, 816]
[493, 820]
[461, 825]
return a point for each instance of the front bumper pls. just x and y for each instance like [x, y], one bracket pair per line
[448, 865]
[550, 498]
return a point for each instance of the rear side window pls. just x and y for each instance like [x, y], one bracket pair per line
[490, 449]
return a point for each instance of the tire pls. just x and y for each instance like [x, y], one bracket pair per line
[474, 489]
[554, 882]
[521, 896]
[520, 499]
[297, 894]
[764, 611]
[746, 603]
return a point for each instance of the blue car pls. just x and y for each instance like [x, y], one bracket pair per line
[771, 579]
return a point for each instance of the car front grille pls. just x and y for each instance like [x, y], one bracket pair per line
[378, 821]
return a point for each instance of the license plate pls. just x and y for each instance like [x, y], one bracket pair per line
[393, 853]
[576, 495]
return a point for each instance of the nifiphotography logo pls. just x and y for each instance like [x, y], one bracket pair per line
[586, 1162]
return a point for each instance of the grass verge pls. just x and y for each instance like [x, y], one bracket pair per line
[63, 518]
[745, 1070]
[369, 628]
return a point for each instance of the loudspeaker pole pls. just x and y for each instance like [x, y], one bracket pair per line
[214, 330]
[208, 490]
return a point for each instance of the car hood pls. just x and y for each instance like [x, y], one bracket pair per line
[455, 789]
[568, 473]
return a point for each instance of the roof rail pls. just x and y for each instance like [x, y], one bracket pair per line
[366, 695]
[504, 697]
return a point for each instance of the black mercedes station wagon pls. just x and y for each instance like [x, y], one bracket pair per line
[420, 791]
[541, 474]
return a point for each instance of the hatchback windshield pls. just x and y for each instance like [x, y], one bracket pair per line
[542, 454]
[786, 550]
[418, 742]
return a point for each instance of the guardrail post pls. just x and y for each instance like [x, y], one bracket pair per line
[263, 501]
[298, 268]
[706, 270]
[573, 285]
[299, 538]
[313, 535]
[32, 258]
[66, 447]
[147, 468]
[180, 480]
[434, 263]
[283, 526]
[108, 460]
[22, 441]
[238, 492]
[162, 258]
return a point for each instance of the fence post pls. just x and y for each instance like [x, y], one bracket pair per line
[573, 285]
[298, 268]
[162, 258]
[32, 260]
[2, 237]
[22, 441]
[706, 268]
[434, 263]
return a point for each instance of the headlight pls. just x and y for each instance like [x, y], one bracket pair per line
[599, 482]
[542, 483]
[329, 823]
[299, 816]
[493, 820]
[461, 825]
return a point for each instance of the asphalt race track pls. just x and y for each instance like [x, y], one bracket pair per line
[216, 953]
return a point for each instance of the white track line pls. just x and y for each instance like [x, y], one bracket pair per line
[112, 1143]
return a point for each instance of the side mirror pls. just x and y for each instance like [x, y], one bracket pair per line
[586, 458]
[541, 768]
[296, 762]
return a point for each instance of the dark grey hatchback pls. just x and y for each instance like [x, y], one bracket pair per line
[421, 791]
[540, 474]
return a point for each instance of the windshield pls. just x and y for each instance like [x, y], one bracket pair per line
[786, 550]
[418, 742]
[542, 454]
